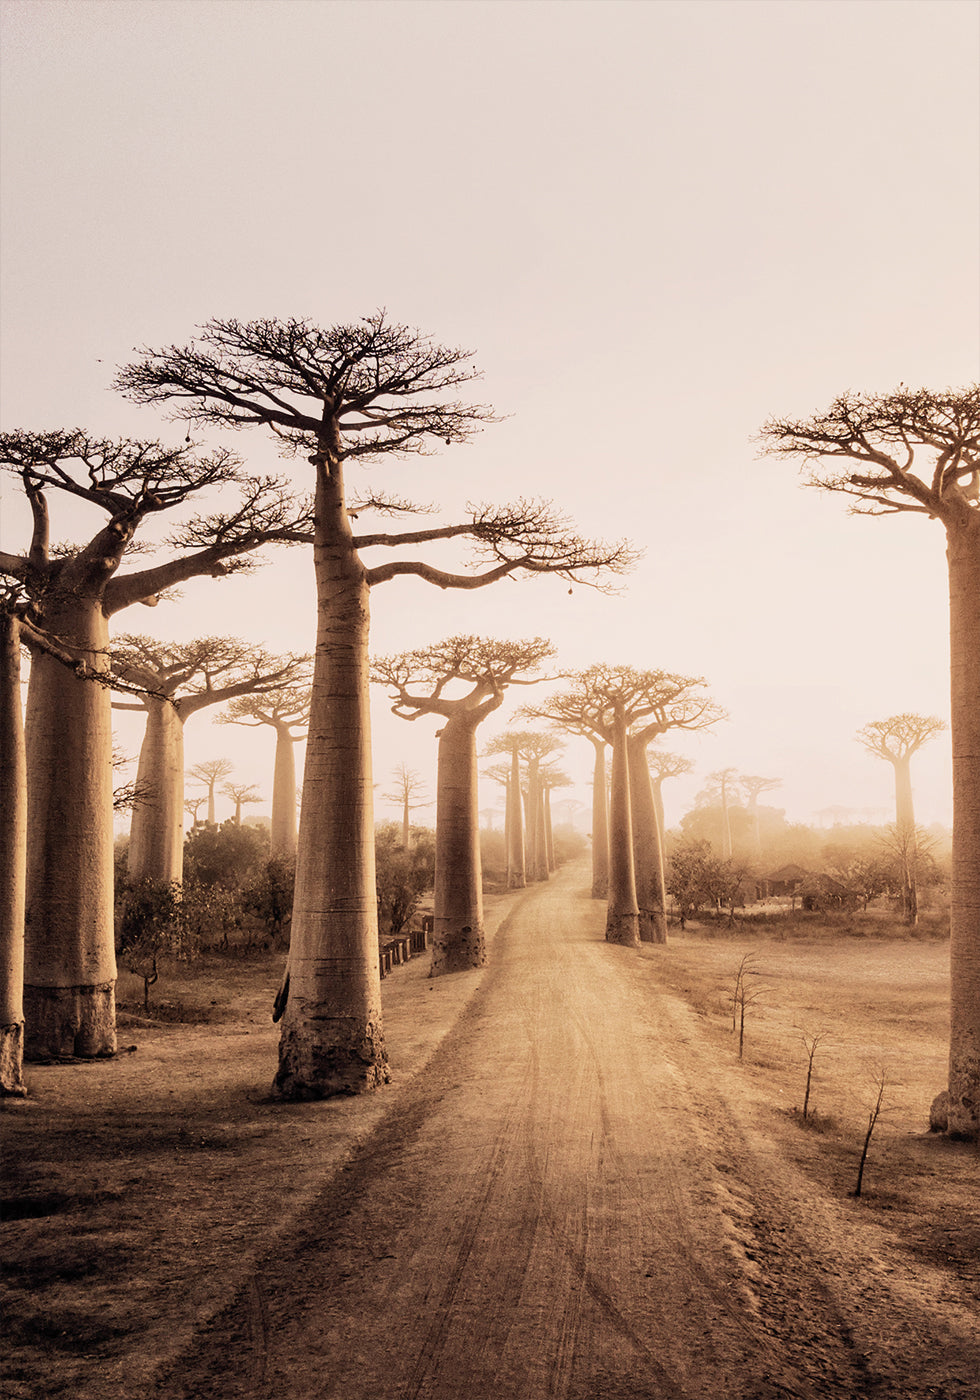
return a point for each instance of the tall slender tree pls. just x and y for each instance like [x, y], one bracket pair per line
[242, 795]
[428, 682]
[664, 765]
[408, 784]
[721, 786]
[918, 451]
[209, 773]
[754, 786]
[896, 739]
[648, 703]
[70, 967]
[186, 677]
[285, 710]
[508, 775]
[339, 397]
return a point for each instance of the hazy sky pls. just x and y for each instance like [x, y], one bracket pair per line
[656, 223]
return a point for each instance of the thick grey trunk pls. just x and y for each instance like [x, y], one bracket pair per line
[282, 835]
[600, 824]
[516, 872]
[622, 913]
[458, 940]
[332, 1040]
[963, 554]
[156, 835]
[648, 860]
[69, 964]
[13, 858]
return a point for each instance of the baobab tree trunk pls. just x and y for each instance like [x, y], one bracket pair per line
[458, 940]
[536, 857]
[963, 554]
[539, 867]
[332, 1039]
[156, 835]
[622, 914]
[905, 832]
[516, 873]
[282, 835]
[726, 824]
[549, 832]
[600, 824]
[69, 954]
[13, 858]
[651, 893]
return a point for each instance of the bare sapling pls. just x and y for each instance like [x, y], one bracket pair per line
[743, 996]
[874, 1113]
[811, 1040]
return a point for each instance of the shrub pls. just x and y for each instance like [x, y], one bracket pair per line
[403, 877]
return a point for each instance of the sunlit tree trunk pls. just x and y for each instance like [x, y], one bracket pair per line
[905, 833]
[458, 940]
[516, 872]
[657, 785]
[726, 823]
[539, 860]
[283, 827]
[963, 554]
[622, 913]
[13, 858]
[70, 962]
[600, 823]
[651, 894]
[156, 836]
[549, 831]
[332, 1039]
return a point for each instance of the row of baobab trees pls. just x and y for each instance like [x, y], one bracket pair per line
[335, 399]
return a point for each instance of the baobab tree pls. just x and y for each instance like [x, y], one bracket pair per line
[722, 785]
[210, 773]
[285, 709]
[508, 775]
[242, 794]
[896, 739]
[536, 750]
[633, 707]
[340, 397]
[754, 786]
[576, 712]
[70, 967]
[664, 765]
[550, 778]
[427, 682]
[918, 451]
[407, 785]
[19, 629]
[186, 677]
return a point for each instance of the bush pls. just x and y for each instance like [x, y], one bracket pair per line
[269, 897]
[227, 855]
[403, 877]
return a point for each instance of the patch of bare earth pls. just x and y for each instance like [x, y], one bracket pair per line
[584, 1194]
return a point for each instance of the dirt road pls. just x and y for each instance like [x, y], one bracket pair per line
[576, 1201]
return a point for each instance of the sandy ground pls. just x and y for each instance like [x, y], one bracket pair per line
[573, 1188]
